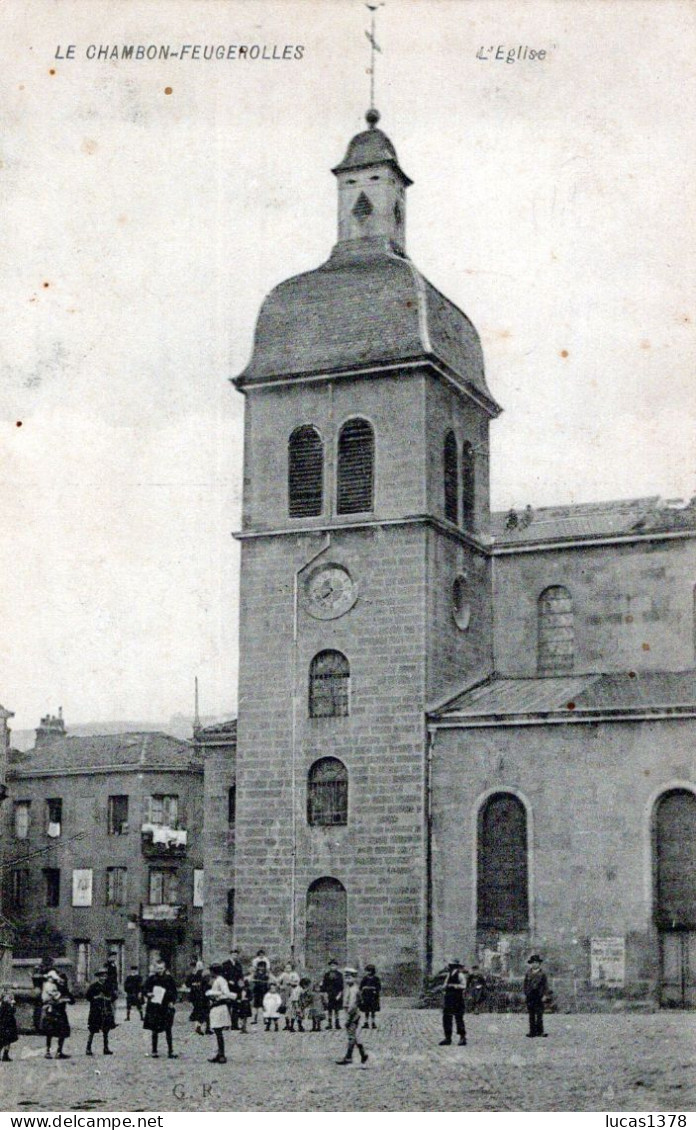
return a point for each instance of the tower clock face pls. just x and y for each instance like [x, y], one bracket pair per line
[329, 592]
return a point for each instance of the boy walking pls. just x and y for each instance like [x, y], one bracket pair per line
[352, 1002]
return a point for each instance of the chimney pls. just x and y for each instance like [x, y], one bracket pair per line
[51, 728]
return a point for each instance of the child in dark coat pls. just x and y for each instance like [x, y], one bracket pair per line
[241, 1004]
[101, 996]
[8, 1024]
[370, 992]
[133, 986]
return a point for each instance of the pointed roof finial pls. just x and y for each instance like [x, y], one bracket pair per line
[372, 115]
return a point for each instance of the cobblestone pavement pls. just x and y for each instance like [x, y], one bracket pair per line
[624, 1062]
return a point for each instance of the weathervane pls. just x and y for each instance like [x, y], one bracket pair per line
[373, 114]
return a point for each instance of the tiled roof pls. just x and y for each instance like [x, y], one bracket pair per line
[501, 697]
[595, 519]
[218, 730]
[150, 750]
[366, 306]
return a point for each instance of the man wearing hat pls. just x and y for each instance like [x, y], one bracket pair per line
[453, 1003]
[535, 989]
[352, 1002]
[233, 972]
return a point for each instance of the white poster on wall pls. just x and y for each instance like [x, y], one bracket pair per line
[198, 887]
[608, 962]
[82, 886]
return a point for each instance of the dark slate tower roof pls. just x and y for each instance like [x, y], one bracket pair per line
[368, 306]
[371, 147]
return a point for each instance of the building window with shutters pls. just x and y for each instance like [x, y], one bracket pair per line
[163, 810]
[163, 887]
[329, 685]
[51, 886]
[356, 459]
[54, 816]
[468, 487]
[502, 871]
[83, 959]
[556, 632]
[19, 888]
[22, 809]
[327, 793]
[118, 816]
[451, 478]
[116, 886]
[305, 473]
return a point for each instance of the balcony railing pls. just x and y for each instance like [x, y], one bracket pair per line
[160, 842]
[163, 912]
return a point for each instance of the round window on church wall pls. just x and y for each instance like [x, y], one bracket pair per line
[461, 605]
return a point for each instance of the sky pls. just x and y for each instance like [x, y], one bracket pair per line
[149, 205]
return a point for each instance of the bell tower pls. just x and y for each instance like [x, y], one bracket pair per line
[365, 584]
[372, 189]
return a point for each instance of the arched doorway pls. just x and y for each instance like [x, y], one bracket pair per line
[674, 842]
[502, 887]
[327, 924]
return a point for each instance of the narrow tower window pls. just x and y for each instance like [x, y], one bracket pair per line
[556, 651]
[356, 458]
[329, 685]
[327, 793]
[468, 487]
[451, 478]
[305, 473]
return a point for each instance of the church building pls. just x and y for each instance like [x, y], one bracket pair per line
[459, 733]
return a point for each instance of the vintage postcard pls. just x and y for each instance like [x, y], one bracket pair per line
[348, 673]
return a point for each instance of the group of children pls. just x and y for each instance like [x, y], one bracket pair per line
[224, 998]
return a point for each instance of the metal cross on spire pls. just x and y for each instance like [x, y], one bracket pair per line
[374, 47]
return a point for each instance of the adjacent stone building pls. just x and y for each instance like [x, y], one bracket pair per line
[6, 932]
[217, 748]
[103, 849]
[458, 732]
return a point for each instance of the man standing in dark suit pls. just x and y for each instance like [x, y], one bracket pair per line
[453, 1003]
[535, 989]
[233, 972]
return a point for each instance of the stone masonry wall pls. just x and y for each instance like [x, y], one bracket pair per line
[379, 855]
[590, 791]
[219, 852]
[633, 605]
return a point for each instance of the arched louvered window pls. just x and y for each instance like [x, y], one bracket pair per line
[305, 473]
[327, 793]
[468, 487]
[356, 459]
[329, 685]
[556, 631]
[451, 478]
[675, 860]
[502, 887]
